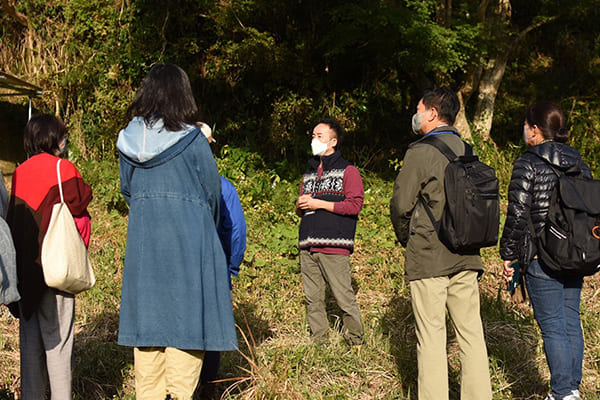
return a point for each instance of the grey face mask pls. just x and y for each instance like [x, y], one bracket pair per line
[525, 137]
[416, 122]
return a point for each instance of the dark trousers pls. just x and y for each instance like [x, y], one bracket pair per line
[210, 367]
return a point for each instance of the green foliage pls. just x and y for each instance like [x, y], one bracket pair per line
[584, 118]
[265, 74]
[103, 176]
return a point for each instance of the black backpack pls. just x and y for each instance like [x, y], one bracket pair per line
[471, 215]
[569, 245]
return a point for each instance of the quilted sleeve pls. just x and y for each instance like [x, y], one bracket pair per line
[520, 192]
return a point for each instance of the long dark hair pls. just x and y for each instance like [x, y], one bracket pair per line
[550, 119]
[166, 94]
[43, 134]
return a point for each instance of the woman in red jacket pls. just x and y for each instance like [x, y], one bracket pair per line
[46, 315]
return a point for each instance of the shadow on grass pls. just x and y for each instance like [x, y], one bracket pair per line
[398, 325]
[100, 365]
[252, 331]
[511, 341]
[7, 394]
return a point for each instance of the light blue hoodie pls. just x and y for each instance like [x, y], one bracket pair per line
[142, 142]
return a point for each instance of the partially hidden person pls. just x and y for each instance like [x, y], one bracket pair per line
[46, 315]
[440, 279]
[9, 293]
[555, 299]
[232, 233]
[331, 197]
[175, 300]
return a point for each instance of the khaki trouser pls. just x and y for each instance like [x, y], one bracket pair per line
[317, 270]
[165, 370]
[459, 294]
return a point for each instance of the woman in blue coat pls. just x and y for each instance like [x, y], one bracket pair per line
[175, 300]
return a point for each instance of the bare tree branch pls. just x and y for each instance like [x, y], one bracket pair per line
[19, 17]
[482, 9]
[525, 31]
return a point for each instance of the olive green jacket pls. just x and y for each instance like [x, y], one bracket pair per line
[423, 172]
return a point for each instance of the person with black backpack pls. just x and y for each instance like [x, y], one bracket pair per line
[533, 193]
[443, 274]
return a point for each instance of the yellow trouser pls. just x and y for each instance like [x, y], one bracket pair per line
[165, 370]
[459, 294]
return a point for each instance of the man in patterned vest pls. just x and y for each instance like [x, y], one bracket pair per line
[331, 196]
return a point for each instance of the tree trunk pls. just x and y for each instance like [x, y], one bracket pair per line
[491, 79]
[492, 73]
[485, 79]
[461, 123]
[464, 94]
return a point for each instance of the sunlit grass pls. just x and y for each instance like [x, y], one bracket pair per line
[276, 360]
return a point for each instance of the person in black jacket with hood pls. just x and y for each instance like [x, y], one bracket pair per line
[555, 300]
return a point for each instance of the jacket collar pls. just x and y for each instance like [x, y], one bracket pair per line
[327, 160]
[442, 129]
[446, 129]
[560, 155]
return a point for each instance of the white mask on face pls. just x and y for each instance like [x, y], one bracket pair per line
[417, 123]
[525, 137]
[318, 148]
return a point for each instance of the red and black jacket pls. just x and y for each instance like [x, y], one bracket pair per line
[34, 192]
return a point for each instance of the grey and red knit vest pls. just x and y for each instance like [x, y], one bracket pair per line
[321, 228]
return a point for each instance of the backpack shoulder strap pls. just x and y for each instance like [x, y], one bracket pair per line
[442, 147]
[530, 226]
[451, 156]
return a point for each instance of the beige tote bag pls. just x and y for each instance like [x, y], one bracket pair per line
[65, 258]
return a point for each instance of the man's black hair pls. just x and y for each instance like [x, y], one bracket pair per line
[444, 100]
[336, 127]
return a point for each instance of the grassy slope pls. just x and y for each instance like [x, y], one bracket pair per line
[276, 358]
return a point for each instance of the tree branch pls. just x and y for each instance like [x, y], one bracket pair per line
[525, 31]
[19, 17]
[482, 9]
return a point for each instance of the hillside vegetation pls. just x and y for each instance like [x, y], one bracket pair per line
[262, 74]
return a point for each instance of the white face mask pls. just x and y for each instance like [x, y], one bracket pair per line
[318, 148]
[417, 123]
[525, 137]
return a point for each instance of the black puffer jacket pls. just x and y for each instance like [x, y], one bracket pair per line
[529, 192]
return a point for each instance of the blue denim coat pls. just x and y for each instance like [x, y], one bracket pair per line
[175, 281]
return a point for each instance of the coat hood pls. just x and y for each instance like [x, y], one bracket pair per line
[560, 155]
[142, 142]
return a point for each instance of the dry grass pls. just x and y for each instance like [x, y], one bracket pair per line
[276, 359]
